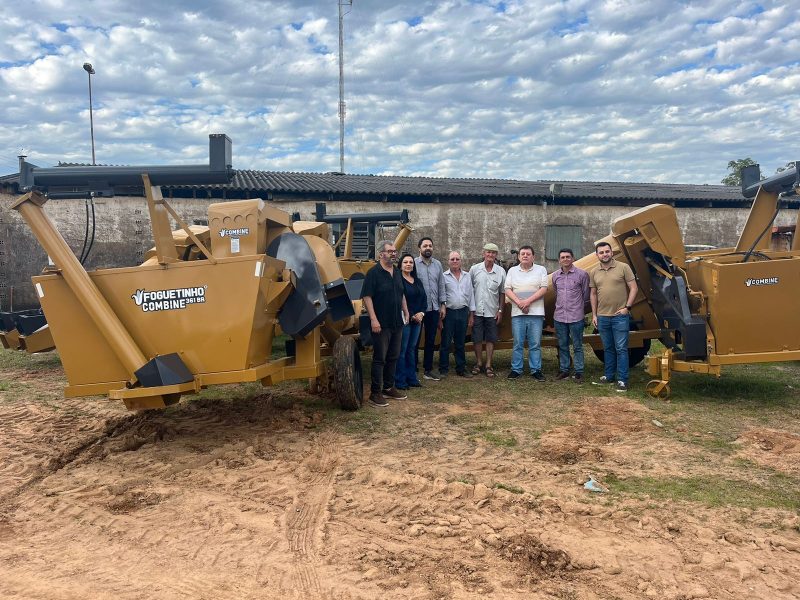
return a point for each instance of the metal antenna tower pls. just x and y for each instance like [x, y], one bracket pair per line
[342, 106]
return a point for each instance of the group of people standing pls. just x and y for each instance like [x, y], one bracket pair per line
[415, 294]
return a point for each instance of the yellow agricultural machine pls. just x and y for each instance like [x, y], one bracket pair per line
[709, 308]
[206, 303]
[715, 307]
[25, 330]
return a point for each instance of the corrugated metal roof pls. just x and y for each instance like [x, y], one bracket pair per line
[443, 187]
[334, 183]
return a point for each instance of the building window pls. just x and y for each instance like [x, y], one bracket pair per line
[563, 236]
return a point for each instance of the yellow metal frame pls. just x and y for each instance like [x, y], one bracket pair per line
[40, 340]
[10, 340]
[104, 338]
[663, 365]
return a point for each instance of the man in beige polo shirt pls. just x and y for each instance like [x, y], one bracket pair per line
[612, 290]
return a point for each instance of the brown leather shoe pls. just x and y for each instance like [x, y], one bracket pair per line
[394, 394]
[562, 375]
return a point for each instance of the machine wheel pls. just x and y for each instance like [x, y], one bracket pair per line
[657, 389]
[348, 382]
[635, 355]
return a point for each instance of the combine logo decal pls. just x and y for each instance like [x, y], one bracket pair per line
[169, 299]
[234, 232]
[765, 281]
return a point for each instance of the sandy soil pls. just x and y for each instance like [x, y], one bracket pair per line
[260, 499]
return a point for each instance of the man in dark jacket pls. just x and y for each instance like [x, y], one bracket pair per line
[386, 305]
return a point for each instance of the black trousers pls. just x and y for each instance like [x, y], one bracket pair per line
[430, 323]
[454, 333]
[385, 352]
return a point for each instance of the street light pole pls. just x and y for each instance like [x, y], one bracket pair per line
[90, 71]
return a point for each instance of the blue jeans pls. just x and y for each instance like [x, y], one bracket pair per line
[454, 332]
[527, 328]
[406, 372]
[614, 334]
[566, 332]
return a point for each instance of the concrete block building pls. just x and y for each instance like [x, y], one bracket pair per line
[459, 214]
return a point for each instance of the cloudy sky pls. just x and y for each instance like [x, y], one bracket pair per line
[619, 90]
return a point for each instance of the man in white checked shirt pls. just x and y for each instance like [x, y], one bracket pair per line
[526, 285]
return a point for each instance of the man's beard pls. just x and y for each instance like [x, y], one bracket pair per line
[427, 253]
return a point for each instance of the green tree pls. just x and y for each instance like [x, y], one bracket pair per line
[735, 167]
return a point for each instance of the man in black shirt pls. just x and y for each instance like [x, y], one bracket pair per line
[386, 305]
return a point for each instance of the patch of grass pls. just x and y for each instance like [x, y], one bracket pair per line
[19, 360]
[361, 421]
[499, 439]
[751, 387]
[778, 491]
[496, 433]
[713, 412]
[719, 443]
[509, 488]
[230, 392]
[279, 346]
[459, 419]
[5, 385]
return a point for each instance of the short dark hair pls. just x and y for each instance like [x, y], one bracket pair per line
[599, 245]
[521, 248]
[568, 251]
[419, 243]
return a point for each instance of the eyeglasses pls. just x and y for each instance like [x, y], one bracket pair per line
[455, 259]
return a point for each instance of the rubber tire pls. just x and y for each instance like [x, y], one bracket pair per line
[635, 355]
[348, 381]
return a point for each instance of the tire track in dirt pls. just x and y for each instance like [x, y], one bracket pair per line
[214, 477]
[308, 515]
[25, 464]
[238, 498]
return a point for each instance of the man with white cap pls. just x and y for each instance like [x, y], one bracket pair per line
[488, 282]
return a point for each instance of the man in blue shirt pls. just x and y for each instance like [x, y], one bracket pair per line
[431, 273]
[459, 311]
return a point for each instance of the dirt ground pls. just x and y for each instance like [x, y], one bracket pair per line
[272, 495]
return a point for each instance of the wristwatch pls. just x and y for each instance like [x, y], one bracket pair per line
[628, 307]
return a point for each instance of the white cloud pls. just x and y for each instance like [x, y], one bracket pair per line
[620, 89]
